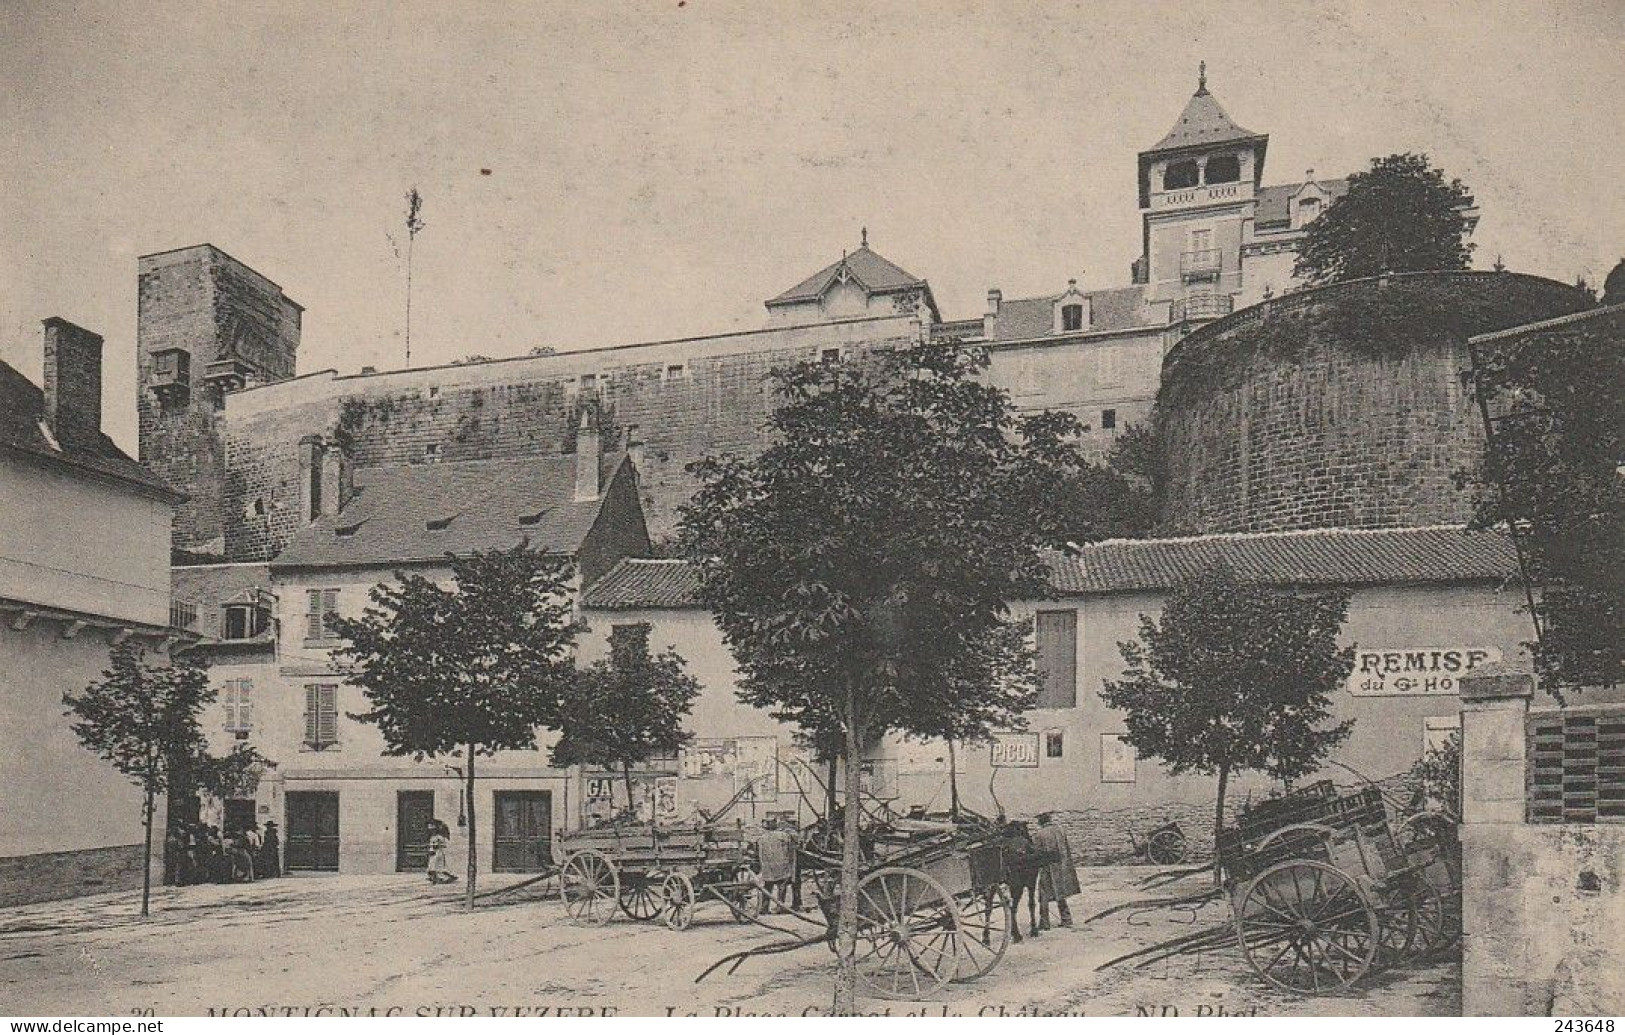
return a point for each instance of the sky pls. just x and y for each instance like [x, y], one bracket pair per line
[657, 169]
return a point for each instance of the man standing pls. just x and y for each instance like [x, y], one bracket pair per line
[776, 864]
[1058, 880]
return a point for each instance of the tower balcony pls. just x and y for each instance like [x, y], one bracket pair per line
[1200, 265]
[1203, 307]
[171, 375]
[227, 374]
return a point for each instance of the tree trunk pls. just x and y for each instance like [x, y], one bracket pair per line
[829, 793]
[146, 855]
[846, 974]
[473, 841]
[953, 781]
[1218, 820]
[626, 774]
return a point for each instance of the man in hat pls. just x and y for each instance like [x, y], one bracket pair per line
[1058, 880]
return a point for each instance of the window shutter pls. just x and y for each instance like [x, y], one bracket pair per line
[330, 604]
[313, 615]
[245, 709]
[328, 719]
[228, 697]
[313, 707]
[1057, 636]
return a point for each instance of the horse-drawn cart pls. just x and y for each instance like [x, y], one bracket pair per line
[1323, 890]
[657, 873]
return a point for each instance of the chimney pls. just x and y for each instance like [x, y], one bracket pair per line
[994, 297]
[310, 478]
[73, 378]
[589, 451]
[336, 479]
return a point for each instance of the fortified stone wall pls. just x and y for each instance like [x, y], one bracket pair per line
[670, 404]
[1337, 407]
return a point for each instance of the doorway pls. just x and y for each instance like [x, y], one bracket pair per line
[413, 810]
[313, 831]
[524, 821]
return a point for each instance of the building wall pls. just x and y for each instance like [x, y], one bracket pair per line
[1280, 417]
[1085, 377]
[60, 797]
[70, 541]
[1389, 733]
[1170, 239]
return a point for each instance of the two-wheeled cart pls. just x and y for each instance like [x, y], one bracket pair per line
[651, 872]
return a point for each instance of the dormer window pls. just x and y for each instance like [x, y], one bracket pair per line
[529, 520]
[1223, 169]
[1308, 210]
[675, 372]
[243, 622]
[1180, 175]
[1072, 317]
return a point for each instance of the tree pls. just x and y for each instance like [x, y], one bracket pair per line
[467, 670]
[859, 567]
[1400, 215]
[143, 719]
[626, 708]
[1552, 471]
[232, 775]
[1235, 677]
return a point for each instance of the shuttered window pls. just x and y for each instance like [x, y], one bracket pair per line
[1056, 633]
[320, 604]
[236, 695]
[321, 715]
[1577, 766]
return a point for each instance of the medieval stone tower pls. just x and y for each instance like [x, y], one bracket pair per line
[206, 325]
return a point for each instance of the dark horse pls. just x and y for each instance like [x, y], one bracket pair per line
[1023, 861]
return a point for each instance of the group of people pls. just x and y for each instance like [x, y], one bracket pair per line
[202, 854]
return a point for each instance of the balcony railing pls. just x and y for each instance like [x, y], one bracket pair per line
[1201, 264]
[1204, 307]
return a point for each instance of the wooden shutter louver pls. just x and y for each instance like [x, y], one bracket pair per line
[327, 725]
[313, 707]
[1576, 768]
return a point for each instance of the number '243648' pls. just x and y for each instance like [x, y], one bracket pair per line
[1583, 1027]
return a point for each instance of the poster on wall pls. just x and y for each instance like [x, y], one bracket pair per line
[751, 762]
[1117, 759]
[604, 797]
[1415, 671]
[1015, 750]
[878, 779]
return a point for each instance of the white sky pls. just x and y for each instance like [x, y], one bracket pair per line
[657, 169]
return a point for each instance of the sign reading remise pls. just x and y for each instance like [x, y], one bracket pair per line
[1415, 671]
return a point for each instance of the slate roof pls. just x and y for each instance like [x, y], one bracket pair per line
[878, 274]
[1109, 310]
[638, 584]
[1321, 557]
[1272, 207]
[490, 504]
[22, 413]
[1318, 557]
[1202, 123]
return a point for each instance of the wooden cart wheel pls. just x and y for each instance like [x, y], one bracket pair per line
[1432, 920]
[677, 901]
[1305, 926]
[984, 931]
[1396, 927]
[747, 895]
[1297, 830]
[908, 934]
[640, 898]
[1167, 848]
[590, 885]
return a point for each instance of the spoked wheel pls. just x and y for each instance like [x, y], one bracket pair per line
[1315, 834]
[984, 931]
[1167, 848]
[1432, 932]
[908, 934]
[1396, 927]
[746, 896]
[1305, 926]
[640, 897]
[677, 901]
[590, 886]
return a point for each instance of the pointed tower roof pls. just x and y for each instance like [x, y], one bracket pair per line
[878, 274]
[1203, 122]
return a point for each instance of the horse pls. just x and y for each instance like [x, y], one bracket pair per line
[1023, 862]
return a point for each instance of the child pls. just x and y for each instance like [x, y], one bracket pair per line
[439, 838]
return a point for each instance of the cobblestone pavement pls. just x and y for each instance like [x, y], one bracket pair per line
[395, 944]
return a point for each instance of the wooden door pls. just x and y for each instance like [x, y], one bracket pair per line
[413, 810]
[523, 831]
[313, 830]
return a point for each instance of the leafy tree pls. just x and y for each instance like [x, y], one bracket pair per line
[143, 719]
[1235, 677]
[1400, 215]
[1552, 469]
[467, 670]
[1613, 288]
[859, 567]
[232, 775]
[1437, 776]
[626, 708]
